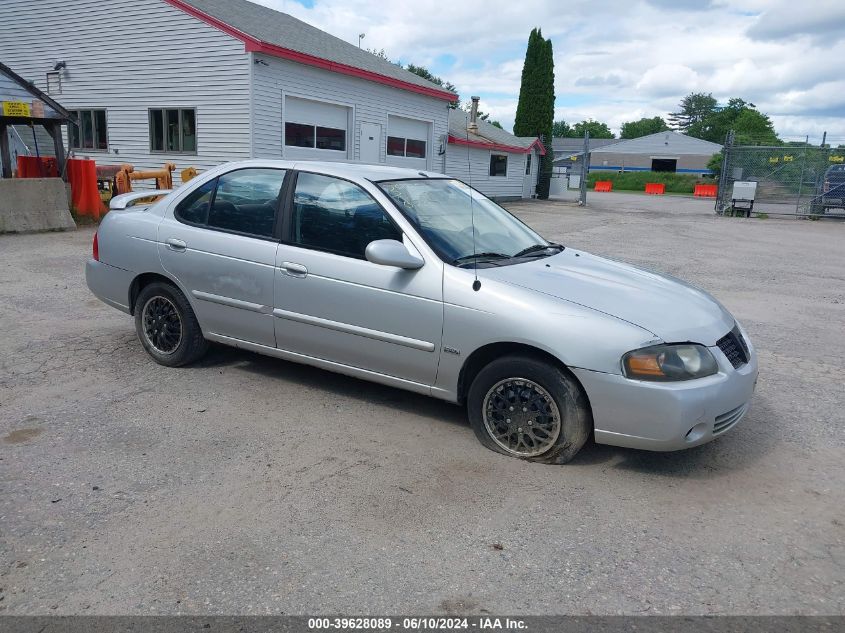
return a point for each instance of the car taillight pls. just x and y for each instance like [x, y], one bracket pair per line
[95, 249]
[827, 186]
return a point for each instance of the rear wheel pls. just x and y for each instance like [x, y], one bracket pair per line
[167, 327]
[527, 408]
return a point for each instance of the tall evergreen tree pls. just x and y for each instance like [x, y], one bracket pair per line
[536, 107]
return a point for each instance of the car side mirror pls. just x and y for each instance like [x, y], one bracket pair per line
[392, 253]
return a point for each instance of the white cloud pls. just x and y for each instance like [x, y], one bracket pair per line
[632, 58]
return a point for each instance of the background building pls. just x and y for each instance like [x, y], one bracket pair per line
[497, 163]
[202, 82]
[660, 152]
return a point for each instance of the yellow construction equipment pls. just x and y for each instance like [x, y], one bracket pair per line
[127, 174]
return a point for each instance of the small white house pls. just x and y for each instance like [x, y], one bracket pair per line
[500, 165]
[202, 82]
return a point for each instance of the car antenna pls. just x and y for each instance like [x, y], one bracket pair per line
[476, 284]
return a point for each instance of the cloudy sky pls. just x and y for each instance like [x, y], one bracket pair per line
[618, 60]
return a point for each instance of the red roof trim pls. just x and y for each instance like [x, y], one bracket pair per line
[254, 45]
[512, 149]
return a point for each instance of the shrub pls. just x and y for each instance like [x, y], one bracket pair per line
[636, 180]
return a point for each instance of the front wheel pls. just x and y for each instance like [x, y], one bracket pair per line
[527, 408]
[167, 326]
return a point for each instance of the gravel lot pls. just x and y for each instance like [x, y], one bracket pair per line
[249, 485]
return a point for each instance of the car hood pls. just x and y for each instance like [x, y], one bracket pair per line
[665, 306]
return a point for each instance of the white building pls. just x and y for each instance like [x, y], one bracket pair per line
[202, 82]
[497, 163]
[208, 81]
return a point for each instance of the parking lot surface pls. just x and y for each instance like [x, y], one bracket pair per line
[248, 485]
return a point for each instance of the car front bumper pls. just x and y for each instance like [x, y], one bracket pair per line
[668, 416]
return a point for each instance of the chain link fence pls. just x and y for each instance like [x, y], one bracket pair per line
[792, 179]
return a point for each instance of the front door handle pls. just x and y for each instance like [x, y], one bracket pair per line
[175, 245]
[294, 270]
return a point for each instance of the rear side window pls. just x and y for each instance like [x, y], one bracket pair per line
[243, 201]
[194, 208]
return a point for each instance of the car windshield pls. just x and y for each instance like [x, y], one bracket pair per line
[445, 212]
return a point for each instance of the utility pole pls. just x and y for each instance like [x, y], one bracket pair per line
[722, 194]
[585, 169]
[824, 138]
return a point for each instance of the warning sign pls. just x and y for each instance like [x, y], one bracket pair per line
[16, 108]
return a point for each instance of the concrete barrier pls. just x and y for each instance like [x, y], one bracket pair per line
[34, 204]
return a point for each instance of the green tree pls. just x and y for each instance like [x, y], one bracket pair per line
[751, 126]
[694, 108]
[423, 72]
[597, 129]
[535, 109]
[643, 127]
[562, 129]
[715, 164]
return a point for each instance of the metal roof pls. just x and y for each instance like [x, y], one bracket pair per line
[576, 145]
[663, 143]
[487, 134]
[276, 33]
[54, 109]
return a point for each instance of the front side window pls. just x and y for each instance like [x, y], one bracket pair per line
[91, 133]
[446, 213]
[315, 136]
[407, 147]
[173, 130]
[334, 215]
[527, 164]
[498, 165]
[242, 201]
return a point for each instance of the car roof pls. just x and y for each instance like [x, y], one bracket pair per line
[360, 171]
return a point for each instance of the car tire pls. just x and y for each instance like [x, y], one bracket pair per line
[544, 392]
[167, 326]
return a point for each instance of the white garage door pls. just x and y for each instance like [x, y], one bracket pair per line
[315, 129]
[408, 142]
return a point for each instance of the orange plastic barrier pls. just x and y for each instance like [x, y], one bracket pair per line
[84, 195]
[705, 191]
[603, 185]
[655, 188]
[37, 167]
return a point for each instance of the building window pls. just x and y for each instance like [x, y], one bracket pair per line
[54, 83]
[498, 165]
[528, 164]
[315, 136]
[407, 147]
[173, 130]
[91, 133]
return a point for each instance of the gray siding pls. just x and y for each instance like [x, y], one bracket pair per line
[472, 165]
[369, 102]
[690, 163]
[126, 56]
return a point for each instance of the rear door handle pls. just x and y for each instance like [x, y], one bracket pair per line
[294, 270]
[175, 245]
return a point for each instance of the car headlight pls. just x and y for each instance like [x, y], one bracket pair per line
[669, 362]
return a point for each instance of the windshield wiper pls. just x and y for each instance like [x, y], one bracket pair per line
[537, 248]
[471, 256]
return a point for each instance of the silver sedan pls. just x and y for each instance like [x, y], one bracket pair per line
[415, 280]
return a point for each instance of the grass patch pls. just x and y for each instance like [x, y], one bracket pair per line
[636, 180]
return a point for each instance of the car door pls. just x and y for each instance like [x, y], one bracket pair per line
[333, 304]
[219, 244]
